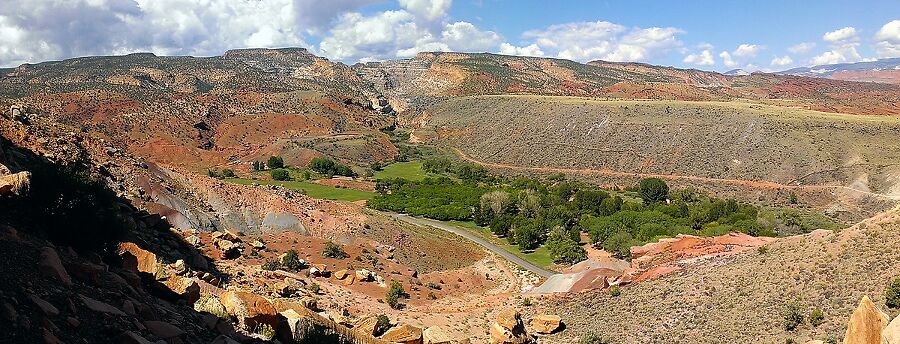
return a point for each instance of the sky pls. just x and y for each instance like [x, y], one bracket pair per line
[711, 35]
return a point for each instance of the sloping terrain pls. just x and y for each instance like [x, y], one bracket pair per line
[715, 143]
[883, 71]
[438, 75]
[742, 298]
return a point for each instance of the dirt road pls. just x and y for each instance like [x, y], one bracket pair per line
[474, 238]
[756, 184]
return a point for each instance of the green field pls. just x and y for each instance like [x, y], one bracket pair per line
[540, 257]
[312, 189]
[407, 170]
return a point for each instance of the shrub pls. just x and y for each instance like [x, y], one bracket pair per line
[653, 190]
[332, 250]
[212, 173]
[315, 288]
[228, 173]
[275, 162]
[526, 302]
[892, 294]
[270, 265]
[266, 331]
[816, 317]
[292, 260]
[592, 338]
[382, 324]
[792, 198]
[793, 316]
[615, 291]
[394, 293]
[280, 174]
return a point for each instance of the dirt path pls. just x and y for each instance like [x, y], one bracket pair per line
[755, 184]
[465, 234]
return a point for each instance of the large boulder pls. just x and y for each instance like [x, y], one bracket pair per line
[51, 266]
[366, 325]
[185, 288]
[865, 324]
[404, 334]
[508, 328]
[15, 184]
[436, 335]
[891, 334]
[545, 323]
[209, 303]
[249, 309]
[137, 259]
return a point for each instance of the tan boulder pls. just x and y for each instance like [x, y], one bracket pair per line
[184, 287]
[891, 334]
[297, 325]
[508, 328]
[15, 184]
[366, 325]
[350, 279]
[137, 259]
[405, 334]
[209, 303]
[232, 235]
[228, 248]
[249, 309]
[341, 274]
[865, 324]
[318, 269]
[436, 335]
[363, 275]
[545, 323]
[179, 267]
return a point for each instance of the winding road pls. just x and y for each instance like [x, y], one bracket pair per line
[474, 238]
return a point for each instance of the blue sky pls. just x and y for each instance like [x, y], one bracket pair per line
[712, 35]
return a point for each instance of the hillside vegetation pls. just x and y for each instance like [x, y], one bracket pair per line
[716, 140]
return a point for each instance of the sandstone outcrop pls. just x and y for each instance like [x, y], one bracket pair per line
[249, 309]
[865, 324]
[508, 328]
[403, 334]
[545, 323]
[137, 259]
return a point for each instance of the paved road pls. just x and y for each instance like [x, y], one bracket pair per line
[474, 238]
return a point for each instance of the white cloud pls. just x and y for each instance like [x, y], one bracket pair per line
[727, 60]
[586, 41]
[400, 34]
[847, 34]
[747, 50]
[39, 30]
[704, 58]
[782, 61]
[888, 40]
[430, 10]
[740, 55]
[529, 50]
[802, 48]
[843, 47]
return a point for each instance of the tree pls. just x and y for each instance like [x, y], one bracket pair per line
[212, 173]
[280, 174]
[470, 172]
[528, 236]
[610, 206]
[228, 173]
[590, 200]
[257, 166]
[500, 225]
[394, 294]
[619, 245]
[329, 167]
[529, 203]
[275, 162]
[653, 190]
[436, 165]
[563, 249]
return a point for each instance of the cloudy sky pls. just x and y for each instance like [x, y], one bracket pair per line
[706, 34]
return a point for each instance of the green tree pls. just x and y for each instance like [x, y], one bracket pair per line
[653, 190]
[610, 206]
[228, 173]
[436, 165]
[563, 249]
[394, 294]
[275, 162]
[292, 260]
[280, 174]
[528, 236]
[619, 245]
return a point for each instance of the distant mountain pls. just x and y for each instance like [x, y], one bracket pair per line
[884, 71]
[737, 72]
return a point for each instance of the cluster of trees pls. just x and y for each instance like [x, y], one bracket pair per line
[465, 171]
[438, 198]
[274, 162]
[330, 167]
[225, 173]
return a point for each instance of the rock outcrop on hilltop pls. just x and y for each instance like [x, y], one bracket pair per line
[869, 325]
